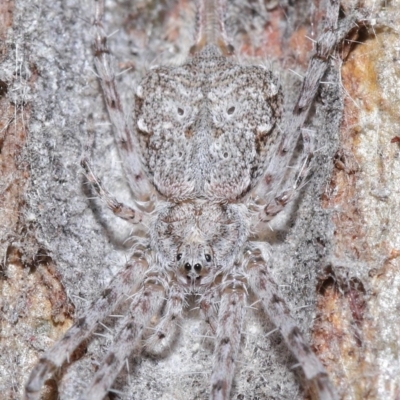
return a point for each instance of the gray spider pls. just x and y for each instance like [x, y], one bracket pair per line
[208, 160]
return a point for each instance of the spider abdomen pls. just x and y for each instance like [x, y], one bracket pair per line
[207, 128]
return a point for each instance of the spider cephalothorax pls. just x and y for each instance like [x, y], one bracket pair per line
[200, 238]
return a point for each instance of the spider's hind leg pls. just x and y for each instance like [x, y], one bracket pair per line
[134, 214]
[294, 181]
[124, 135]
[334, 33]
[130, 214]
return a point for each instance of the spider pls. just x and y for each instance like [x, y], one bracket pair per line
[210, 158]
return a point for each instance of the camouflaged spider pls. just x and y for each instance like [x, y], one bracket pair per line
[207, 159]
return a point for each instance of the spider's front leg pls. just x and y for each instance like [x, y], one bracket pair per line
[122, 285]
[266, 289]
[227, 343]
[166, 330]
[207, 308]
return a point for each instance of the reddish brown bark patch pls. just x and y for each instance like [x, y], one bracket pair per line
[35, 308]
[356, 329]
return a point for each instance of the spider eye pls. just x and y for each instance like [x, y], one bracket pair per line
[197, 267]
[179, 256]
[188, 267]
[208, 257]
[231, 110]
[180, 111]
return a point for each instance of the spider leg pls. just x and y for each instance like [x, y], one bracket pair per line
[145, 304]
[122, 285]
[332, 35]
[230, 317]
[207, 309]
[293, 182]
[166, 329]
[130, 214]
[264, 286]
[127, 145]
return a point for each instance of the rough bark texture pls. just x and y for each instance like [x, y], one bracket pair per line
[336, 253]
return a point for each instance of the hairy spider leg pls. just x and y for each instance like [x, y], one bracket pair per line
[227, 342]
[125, 139]
[166, 330]
[294, 180]
[145, 304]
[266, 289]
[131, 214]
[121, 286]
[271, 182]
